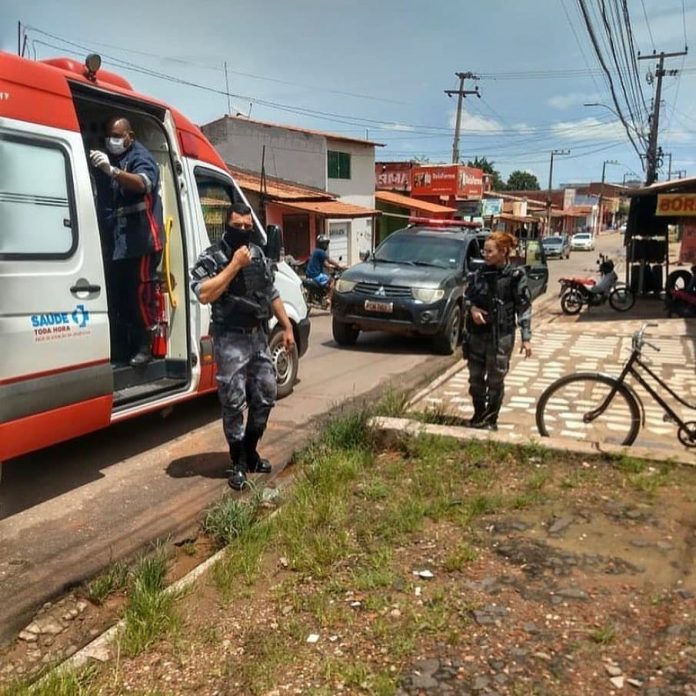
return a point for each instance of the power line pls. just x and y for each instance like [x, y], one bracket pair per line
[647, 24]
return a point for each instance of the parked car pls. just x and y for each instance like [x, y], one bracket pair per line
[413, 285]
[582, 241]
[557, 246]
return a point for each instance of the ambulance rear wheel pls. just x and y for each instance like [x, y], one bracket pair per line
[286, 363]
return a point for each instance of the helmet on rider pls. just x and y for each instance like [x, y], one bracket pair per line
[323, 242]
[606, 266]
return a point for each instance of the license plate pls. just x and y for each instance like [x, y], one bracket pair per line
[386, 307]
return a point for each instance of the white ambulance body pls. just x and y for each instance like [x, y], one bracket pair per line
[58, 379]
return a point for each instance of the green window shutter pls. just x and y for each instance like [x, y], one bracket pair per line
[338, 164]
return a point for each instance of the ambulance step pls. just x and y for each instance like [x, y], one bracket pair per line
[126, 376]
[142, 391]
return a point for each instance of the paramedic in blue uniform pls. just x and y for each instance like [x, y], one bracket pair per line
[132, 212]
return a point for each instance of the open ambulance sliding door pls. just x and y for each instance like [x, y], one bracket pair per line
[55, 373]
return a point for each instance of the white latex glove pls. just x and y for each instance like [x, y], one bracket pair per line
[100, 160]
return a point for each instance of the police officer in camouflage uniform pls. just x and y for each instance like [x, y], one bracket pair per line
[497, 298]
[237, 279]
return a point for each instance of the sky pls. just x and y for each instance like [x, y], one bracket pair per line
[379, 69]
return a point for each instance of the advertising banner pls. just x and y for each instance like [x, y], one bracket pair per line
[676, 205]
[491, 206]
[393, 176]
[447, 180]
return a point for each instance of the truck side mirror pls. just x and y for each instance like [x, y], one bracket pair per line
[274, 242]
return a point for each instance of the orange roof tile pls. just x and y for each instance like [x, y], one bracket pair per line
[331, 209]
[277, 188]
[413, 203]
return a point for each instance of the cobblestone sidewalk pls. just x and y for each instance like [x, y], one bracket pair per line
[563, 345]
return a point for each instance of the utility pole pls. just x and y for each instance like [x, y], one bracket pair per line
[461, 93]
[601, 194]
[227, 90]
[653, 152]
[669, 171]
[548, 197]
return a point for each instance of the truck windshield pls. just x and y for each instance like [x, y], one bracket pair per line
[420, 251]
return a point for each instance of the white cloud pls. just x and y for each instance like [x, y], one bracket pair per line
[474, 122]
[589, 128]
[565, 101]
[398, 127]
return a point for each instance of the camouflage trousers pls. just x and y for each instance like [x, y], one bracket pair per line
[488, 365]
[245, 377]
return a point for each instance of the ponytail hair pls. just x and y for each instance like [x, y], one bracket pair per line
[505, 241]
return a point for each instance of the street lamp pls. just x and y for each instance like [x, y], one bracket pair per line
[600, 221]
[628, 125]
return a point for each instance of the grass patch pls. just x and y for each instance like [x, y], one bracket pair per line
[150, 614]
[604, 635]
[115, 578]
[229, 518]
[460, 557]
[59, 682]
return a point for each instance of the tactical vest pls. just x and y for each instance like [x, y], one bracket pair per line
[247, 300]
[495, 292]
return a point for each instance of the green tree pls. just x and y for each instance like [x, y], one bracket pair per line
[522, 181]
[482, 163]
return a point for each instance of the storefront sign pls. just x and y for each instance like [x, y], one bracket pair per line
[491, 206]
[393, 176]
[676, 205]
[447, 180]
[687, 253]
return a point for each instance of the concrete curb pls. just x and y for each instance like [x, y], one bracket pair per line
[391, 428]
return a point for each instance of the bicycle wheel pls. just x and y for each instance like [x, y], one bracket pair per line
[621, 298]
[564, 407]
[571, 301]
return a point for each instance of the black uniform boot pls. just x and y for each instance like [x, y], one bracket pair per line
[479, 412]
[238, 478]
[489, 420]
[255, 463]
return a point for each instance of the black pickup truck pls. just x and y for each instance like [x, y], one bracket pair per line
[413, 285]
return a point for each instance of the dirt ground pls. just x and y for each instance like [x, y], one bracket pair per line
[432, 568]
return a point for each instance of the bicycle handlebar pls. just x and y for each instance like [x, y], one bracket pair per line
[639, 338]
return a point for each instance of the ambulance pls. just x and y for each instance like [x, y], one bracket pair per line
[59, 377]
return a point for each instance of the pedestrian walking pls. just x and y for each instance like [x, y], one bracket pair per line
[497, 300]
[236, 278]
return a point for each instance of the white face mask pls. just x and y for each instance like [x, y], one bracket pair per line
[116, 146]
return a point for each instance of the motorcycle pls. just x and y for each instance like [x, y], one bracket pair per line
[316, 296]
[578, 292]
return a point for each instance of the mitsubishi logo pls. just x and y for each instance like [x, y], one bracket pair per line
[380, 291]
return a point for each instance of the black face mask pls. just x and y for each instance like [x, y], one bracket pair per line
[236, 236]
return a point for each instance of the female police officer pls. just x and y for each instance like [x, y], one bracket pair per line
[497, 298]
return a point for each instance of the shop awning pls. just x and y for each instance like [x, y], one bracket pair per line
[402, 201]
[509, 217]
[331, 209]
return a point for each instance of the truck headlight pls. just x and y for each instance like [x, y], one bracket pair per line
[428, 295]
[345, 285]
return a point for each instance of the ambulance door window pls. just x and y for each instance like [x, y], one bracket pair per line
[36, 205]
[216, 197]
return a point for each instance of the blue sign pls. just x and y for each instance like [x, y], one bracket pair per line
[79, 317]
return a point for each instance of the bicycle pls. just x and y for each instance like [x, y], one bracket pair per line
[603, 408]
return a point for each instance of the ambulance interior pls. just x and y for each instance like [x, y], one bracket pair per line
[169, 369]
